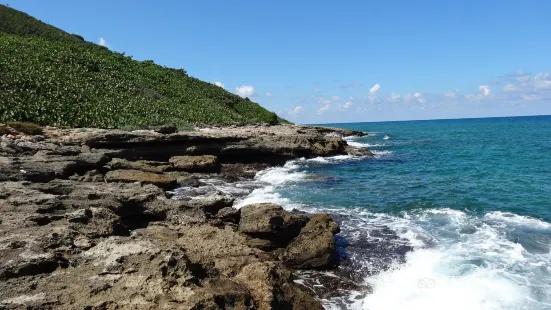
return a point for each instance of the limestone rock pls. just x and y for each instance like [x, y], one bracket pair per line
[272, 287]
[223, 248]
[205, 163]
[270, 223]
[229, 214]
[86, 222]
[315, 246]
[212, 204]
[221, 294]
[142, 165]
[29, 265]
[130, 176]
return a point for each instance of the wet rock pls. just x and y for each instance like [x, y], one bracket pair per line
[331, 285]
[236, 171]
[205, 163]
[315, 246]
[270, 223]
[358, 151]
[183, 178]
[130, 176]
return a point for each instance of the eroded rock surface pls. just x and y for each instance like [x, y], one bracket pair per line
[86, 222]
[315, 246]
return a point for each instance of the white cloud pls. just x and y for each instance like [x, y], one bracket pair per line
[523, 78]
[244, 91]
[322, 100]
[324, 109]
[295, 111]
[484, 90]
[394, 97]
[316, 90]
[541, 81]
[416, 97]
[509, 88]
[219, 84]
[530, 97]
[347, 104]
[335, 98]
[520, 72]
[103, 42]
[373, 93]
[451, 94]
[373, 90]
[419, 97]
[269, 94]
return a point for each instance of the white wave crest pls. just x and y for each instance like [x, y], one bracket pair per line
[460, 261]
[382, 153]
[271, 179]
[357, 144]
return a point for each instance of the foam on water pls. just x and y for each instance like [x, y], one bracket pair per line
[353, 141]
[460, 261]
[379, 154]
[293, 171]
[364, 145]
[329, 160]
[269, 179]
[490, 249]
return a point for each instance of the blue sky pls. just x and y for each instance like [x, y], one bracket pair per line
[337, 61]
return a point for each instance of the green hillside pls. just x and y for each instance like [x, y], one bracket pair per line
[51, 77]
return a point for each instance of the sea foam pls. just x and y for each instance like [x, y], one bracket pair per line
[460, 261]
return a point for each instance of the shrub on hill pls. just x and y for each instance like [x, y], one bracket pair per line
[50, 77]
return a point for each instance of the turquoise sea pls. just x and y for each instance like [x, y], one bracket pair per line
[450, 214]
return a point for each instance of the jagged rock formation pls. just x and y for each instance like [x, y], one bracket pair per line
[86, 222]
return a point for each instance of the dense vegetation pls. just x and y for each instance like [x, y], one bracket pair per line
[54, 78]
[22, 24]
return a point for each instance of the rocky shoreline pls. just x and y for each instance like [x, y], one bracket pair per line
[88, 220]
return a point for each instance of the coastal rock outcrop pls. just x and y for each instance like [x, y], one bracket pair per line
[300, 242]
[315, 246]
[86, 221]
[268, 226]
[204, 163]
[130, 176]
[272, 287]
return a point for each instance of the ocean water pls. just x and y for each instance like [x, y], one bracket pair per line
[450, 214]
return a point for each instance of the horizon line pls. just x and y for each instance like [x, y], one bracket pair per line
[430, 119]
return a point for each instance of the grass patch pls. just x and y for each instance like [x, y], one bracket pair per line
[26, 128]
